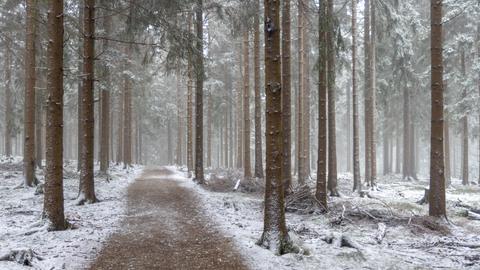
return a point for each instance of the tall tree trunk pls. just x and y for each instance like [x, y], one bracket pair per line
[464, 120]
[397, 151]
[306, 104]
[300, 92]
[189, 107]
[321, 190]
[120, 123]
[239, 112]
[386, 140]
[105, 117]
[179, 153]
[406, 163]
[286, 97]
[169, 142]
[437, 178]
[275, 235]
[372, 110]
[87, 187]
[367, 84]
[246, 106]
[29, 108]
[349, 129]
[53, 198]
[40, 122]
[199, 70]
[209, 128]
[478, 59]
[357, 184]
[127, 118]
[258, 104]
[8, 98]
[332, 136]
[79, 88]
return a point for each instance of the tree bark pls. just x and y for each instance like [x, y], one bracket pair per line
[79, 89]
[286, 97]
[357, 184]
[372, 110]
[246, 106]
[199, 72]
[464, 120]
[87, 185]
[53, 198]
[189, 107]
[300, 93]
[406, 163]
[321, 190]
[275, 236]
[209, 128]
[258, 104]
[105, 117]
[437, 206]
[127, 110]
[367, 84]
[332, 137]
[29, 108]
[8, 98]
[179, 154]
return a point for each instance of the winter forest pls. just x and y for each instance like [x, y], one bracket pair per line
[239, 134]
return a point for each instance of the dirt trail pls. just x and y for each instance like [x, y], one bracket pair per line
[164, 229]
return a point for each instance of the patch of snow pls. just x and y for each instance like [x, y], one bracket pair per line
[21, 210]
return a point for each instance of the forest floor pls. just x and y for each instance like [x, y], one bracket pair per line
[21, 227]
[166, 229]
[386, 230]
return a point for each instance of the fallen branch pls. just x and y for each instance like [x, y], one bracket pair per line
[21, 256]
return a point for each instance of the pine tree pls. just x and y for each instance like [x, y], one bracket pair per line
[29, 108]
[258, 104]
[437, 206]
[286, 97]
[53, 198]
[275, 236]
[199, 72]
[321, 191]
[87, 184]
[357, 184]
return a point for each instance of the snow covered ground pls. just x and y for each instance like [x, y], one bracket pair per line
[409, 241]
[20, 210]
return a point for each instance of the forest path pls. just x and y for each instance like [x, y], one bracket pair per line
[165, 229]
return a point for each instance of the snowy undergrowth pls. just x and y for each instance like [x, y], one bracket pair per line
[20, 210]
[340, 241]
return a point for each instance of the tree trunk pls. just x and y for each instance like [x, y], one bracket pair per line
[105, 117]
[446, 136]
[127, 118]
[53, 198]
[406, 164]
[300, 92]
[306, 105]
[357, 182]
[189, 108]
[239, 112]
[397, 151]
[87, 187]
[179, 153]
[367, 51]
[464, 120]
[386, 140]
[79, 88]
[199, 70]
[246, 106]
[332, 136]
[209, 128]
[321, 191]
[258, 104]
[372, 110]
[29, 108]
[8, 98]
[169, 142]
[437, 178]
[275, 236]
[286, 97]
[120, 123]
